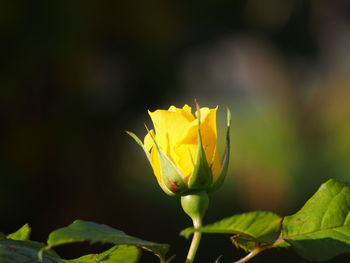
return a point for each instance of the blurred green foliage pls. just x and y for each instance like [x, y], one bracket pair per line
[76, 74]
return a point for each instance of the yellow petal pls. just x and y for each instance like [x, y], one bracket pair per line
[148, 141]
[208, 131]
[216, 166]
[176, 131]
[169, 126]
[156, 164]
[185, 158]
[209, 139]
[186, 146]
[186, 111]
[149, 146]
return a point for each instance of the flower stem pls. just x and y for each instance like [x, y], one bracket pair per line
[195, 242]
[195, 204]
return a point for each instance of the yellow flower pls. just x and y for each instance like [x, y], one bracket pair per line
[182, 149]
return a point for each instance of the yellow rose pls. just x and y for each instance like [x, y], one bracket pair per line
[182, 149]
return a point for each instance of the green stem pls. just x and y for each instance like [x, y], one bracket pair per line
[195, 242]
[161, 258]
[259, 249]
[195, 204]
[249, 256]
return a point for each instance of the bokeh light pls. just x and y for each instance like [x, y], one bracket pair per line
[76, 74]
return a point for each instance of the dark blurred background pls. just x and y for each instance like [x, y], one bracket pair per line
[76, 74]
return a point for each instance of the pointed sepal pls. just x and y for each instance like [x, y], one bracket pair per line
[139, 142]
[201, 177]
[171, 179]
[226, 157]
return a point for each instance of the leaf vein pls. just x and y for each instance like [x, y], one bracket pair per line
[316, 231]
[325, 214]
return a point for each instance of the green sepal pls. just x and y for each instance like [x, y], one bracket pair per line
[202, 176]
[226, 157]
[139, 142]
[171, 178]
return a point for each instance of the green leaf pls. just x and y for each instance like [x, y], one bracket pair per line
[321, 229]
[250, 228]
[18, 251]
[80, 231]
[21, 234]
[117, 254]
